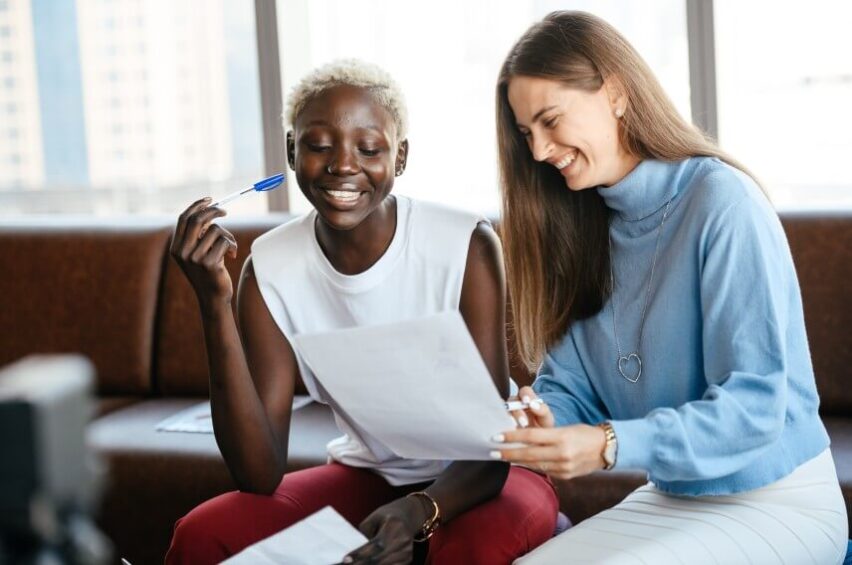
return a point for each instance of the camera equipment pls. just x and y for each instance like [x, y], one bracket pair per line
[47, 476]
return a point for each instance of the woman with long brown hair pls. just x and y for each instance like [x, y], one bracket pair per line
[654, 291]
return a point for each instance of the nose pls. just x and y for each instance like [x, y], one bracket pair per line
[540, 146]
[343, 163]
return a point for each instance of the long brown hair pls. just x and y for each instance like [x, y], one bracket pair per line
[569, 278]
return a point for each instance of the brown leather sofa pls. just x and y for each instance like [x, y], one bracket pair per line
[109, 290]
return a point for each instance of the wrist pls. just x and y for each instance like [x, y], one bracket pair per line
[419, 510]
[429, 512]
[215, 309]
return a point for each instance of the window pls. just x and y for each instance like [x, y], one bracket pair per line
[784, 81]
[86, 71]
[446, 56]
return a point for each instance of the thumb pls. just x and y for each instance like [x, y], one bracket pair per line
[370, 526]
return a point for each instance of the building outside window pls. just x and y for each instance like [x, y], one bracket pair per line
[127, 106]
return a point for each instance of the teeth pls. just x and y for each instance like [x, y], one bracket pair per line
[343, 194]
[565, 162]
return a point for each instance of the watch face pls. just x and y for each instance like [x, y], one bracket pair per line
[609, 454]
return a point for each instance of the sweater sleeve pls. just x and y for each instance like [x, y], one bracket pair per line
[747, 276]
[564, 384]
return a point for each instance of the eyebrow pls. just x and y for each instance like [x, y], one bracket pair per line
[538, 115]
[323, 123]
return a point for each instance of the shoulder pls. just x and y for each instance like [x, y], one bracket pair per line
[719, 194]
[290, 234]
[484, 244]
[441, 214]
[716, 185]
[447, 234]
[730, 212]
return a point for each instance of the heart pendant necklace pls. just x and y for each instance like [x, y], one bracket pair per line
[630, 365]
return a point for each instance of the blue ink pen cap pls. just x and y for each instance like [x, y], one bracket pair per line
[269, 183]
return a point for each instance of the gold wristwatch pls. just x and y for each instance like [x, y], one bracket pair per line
[610, 450]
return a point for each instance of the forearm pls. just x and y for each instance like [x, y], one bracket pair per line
[716, 436]
[255, 457]
[466, 484]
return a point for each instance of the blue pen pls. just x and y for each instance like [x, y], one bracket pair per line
[261, 186]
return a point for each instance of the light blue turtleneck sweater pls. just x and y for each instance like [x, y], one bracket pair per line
[726, 401]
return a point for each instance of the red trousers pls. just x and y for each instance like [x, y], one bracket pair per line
[500, 530]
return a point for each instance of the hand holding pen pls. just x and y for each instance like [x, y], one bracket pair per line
[529, 410]
[199, 246]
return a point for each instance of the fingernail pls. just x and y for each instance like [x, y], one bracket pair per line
[208, 198]
[347, 559]
[535, 404]
[525, 399]
[522, 420]
[498, 438]
[495, 455]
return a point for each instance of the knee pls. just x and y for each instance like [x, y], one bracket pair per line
[188, 542]
[198, 536]
[501, 545]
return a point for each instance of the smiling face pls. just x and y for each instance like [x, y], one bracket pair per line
[344, 151]
[574, 130]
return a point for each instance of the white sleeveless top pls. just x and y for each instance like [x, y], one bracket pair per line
[420, 274]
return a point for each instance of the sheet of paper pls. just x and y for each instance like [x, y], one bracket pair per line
[323, 538]
[419, 386]
[197, 420]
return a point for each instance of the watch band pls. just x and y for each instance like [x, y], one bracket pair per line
[610, 449]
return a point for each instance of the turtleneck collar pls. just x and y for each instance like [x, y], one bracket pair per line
[644, 190]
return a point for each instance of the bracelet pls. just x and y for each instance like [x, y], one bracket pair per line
[432, 523]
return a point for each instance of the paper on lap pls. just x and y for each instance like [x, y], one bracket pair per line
[322, 538]
[197, 419]
[418, 386]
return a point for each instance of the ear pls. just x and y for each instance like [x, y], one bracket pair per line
[617, 95]
[291, 149]
[401, 157]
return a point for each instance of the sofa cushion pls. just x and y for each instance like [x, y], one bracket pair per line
[156, 477]
[181, 361]
[84, 287]
[822, 252]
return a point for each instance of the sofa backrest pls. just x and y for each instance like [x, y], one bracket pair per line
[109, 290]
[822, 252]
[83, 286]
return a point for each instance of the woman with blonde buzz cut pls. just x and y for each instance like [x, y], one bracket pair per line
[362, 256]
[653, 289]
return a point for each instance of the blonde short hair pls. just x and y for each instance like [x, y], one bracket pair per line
[351, 72]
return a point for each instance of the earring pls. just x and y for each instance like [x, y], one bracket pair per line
[619, 112]
[398, 172]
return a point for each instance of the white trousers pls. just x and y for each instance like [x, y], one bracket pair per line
[798, 520]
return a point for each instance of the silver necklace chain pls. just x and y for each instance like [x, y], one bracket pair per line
[624, 361]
